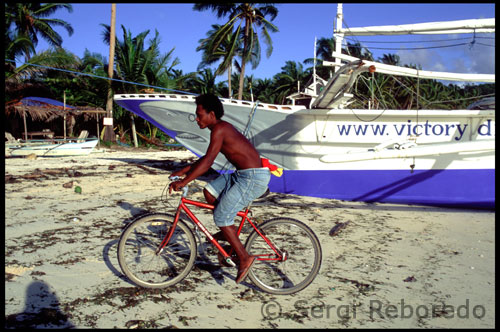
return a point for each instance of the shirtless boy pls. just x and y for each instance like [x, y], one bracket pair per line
[229, 192]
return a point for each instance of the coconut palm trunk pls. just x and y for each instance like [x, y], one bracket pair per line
[243, 61]
[108, 133]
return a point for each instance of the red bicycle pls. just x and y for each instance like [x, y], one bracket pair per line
[158, 250]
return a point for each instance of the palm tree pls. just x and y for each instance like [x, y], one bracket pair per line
[180, 80]
[324, 50]
[53, 57]
[288, 80]
[92, 87]
[226, 51]
[390, 59]
[204, 82]
[30, 20]
[253, 16]
[263, 90]
[358, 51]
[15, 46]
[139, 63]
[136, 63]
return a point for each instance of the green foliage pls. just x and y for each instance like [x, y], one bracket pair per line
[229, 47]
[29, 20]
[240, 34]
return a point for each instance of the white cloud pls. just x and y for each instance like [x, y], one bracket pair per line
[425, 58]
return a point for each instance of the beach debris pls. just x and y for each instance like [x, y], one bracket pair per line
[68, 184]
[111, 167]
[410, 279]
[338, 227]
[362, 287]
[34, 175]
[53, 172]
[78, 189]
[10, 178]
[72, 173]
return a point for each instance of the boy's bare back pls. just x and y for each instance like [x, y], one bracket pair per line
[237, 149]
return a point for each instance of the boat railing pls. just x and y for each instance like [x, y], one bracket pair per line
[285, 108]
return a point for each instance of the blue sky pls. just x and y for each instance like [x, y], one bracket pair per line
[181, 27]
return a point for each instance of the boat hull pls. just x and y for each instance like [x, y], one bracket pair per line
[54, 149]
[320, 149]
[458, 188]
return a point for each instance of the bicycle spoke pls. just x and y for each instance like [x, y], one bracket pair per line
[138, 255]
[301, 256]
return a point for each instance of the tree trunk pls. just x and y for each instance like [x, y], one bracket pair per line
[243, 61]
[134, 134]
[109, 133]
[229, 72]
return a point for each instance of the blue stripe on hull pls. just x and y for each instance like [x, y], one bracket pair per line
[449, 188]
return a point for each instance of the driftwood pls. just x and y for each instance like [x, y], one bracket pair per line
[338, 227]
[154, 141]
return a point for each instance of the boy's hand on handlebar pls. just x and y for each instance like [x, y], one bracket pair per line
[176, 186]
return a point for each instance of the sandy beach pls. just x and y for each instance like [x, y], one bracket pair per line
[392, 266]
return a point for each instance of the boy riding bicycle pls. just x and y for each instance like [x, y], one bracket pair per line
[229, 192]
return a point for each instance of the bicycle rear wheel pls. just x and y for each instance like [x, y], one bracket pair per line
[139, 242]
[301, 253]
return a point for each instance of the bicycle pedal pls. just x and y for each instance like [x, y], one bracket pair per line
[230, 262]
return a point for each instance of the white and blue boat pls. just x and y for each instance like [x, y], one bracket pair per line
[328, 150]
[51, 147]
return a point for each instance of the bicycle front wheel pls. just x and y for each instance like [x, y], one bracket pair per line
[295, 265]
[138, 257]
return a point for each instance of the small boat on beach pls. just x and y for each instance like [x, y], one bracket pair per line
[408, 156]
[51, 147]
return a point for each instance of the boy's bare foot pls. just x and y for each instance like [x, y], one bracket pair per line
[244, 269]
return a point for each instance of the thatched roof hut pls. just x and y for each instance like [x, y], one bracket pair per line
[47, 110]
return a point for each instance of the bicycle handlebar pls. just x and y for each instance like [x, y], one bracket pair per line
[184, 189]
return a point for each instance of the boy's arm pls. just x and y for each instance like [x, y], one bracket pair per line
[181, 171]
[203, 164]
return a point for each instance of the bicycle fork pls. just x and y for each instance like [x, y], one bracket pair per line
[170, 232]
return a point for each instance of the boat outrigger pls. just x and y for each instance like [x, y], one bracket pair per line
[423, 157]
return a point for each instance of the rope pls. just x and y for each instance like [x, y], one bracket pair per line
[106, 78]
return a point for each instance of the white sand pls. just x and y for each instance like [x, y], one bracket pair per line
[61, 266]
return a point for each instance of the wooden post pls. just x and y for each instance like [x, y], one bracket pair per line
[134, 134]
[98, 133]
[64, 111]
[25, 127]
[109, 133]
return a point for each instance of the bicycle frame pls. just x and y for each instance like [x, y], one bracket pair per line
[183, 206]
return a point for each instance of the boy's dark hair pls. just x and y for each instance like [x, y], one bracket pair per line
[210, 103]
